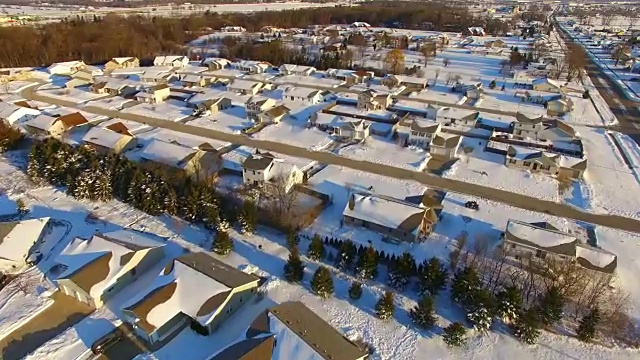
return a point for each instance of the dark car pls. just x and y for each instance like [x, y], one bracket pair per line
[472, 205]
[105, 342]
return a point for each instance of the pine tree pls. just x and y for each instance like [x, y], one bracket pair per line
[432, 277]
[346, 255]
[465, 283]
[222, 244]
[423, 314]
[587, 329]
[550, 307]
[385, 306]
[526, 327]
[367, 266]
[248, 217]
[322, 282]
[481, 307]
[454, 335]
[292, 239]
[401, 270]
[316, 248]
[355, 291]
[294, 268]
[509, 302]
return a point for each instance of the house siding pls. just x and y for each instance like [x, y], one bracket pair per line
[71, 289]
[520, 165]
[238, 298]
[394, 233]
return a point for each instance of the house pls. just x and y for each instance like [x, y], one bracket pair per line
[157, 76]
[252, 67]
[14, 113]
[444, 145]
[399, 41]
[474, 31]
[413, 83]
[539, 161]
[215, 63]
[257, 105]
[193, 290]
[527, 127]
[466, 119]
[265, 169]
[541, 240]
[88, 73]
[114, 87]
[18, 240]
[233, 29]
[303, 95]
[245, 87]
[192, 80]
[521, 77]
[559, 105]
[273, 115]
[213, 106]
[350, 77]
[417, 132]
[121, 63]
[291, 331]
[498, 43]
[371, 100]
[290, 69]
[353, 130]
[99, 267]
[45, 125]
[392, 218]
[557, 130]
[155, 94]
[171, 61]
[175, 158]
[66, 68]
[548, 85]
[105, 141]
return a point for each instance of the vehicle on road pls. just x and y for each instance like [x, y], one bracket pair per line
[105, 342]
[472, 205]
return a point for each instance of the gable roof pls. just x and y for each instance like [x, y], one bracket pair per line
[120, 128]
[42, 121]
[446, 140]
[167, 153]
[73, 119]
[259, 161]
[17, 237]
[522, 118]
[300, 92]
[239, 84]
[384, 211]
[277, 111]
[122, 60]
[103, 137]
[541, 238]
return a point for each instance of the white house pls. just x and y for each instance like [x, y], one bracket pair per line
[353, 130]
[17, 240]
[444, 145]
[466, 119]
[265, 168]
[303, 95]
[13, 113]
[251, 66]
[526, 127]
[66, 68]
[290, 69]
[175, 61]
[417, 132]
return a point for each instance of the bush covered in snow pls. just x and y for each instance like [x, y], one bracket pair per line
[385, 306]
[453, 335]
[322, 282]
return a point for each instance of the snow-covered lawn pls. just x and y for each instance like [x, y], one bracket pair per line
[75, 95]
[384, 151]
[497, 100]
[232, 121]
[170, 110]
[111, 103]
[435, 95]
[294, 133]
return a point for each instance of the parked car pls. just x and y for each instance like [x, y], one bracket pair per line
[34, 258]
[472, 205]
[105, 342]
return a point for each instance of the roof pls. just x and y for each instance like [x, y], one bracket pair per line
[302, 334]
[446, 140]
[456, 113]
[356, 125]
[221, 61]
[103, 137]
[541, 238]
[120, 128]
[258, 348]
[96, 264]
[122, 60]
[387, 212]
[73, 119]
[17, 237]
[194, 284]
[168, 59]
[43, 122]
[239, 84]
[166, 153]
[300, 92]
[522, 118]
[7, 109]
[410, 79]
[596, 259]
[572, 162]
[258, 161]
[277, 111]
[551, 82]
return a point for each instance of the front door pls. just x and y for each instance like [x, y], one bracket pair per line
[535, 166]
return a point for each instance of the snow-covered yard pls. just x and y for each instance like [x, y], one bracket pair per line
[75, 95]
[294, 133]
[383, 151]
[170, 110]
[231, 121]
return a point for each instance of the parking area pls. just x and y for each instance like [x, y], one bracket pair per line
[127, 348]
[62, 314]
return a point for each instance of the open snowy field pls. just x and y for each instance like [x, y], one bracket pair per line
[383, 151]
[111, 103]
[171, 110]
[232, 121]
[75, 95]
[289, 131]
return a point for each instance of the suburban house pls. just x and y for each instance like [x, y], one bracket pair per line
[444, 145]
[559, 105]
[273, 115]
[213, 106]
[265, 169]
[303, 95]
[353, 130]
[251, 66]
[392, 218]
[527, 127]
[13, 113]
[215, 63]
[54, 126]
[193, 290]
[66, 68]
[371, 100]
[17, 240]
[539, 161]
[350, 77]
[98, 267]
[465, 119]
[548, 85]
[557, 130]
[113, 87]
[121, 63]
[410, 82]
[292, 331]
[192, 80]
[177, 158]
[498, 43]
[541, 240]
[416, 132]
[154, 95]
[157, 76]
[245, 87]
[171, 60]
[105, 141]
[257, 105]
[290, 69]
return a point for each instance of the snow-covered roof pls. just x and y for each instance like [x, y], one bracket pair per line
[166, 153]
[7, 109]
[239, 84]
[457, 113]
[386, 212]
[42, 121]
[169, 59]
[188, 140]
[597, 259]
[299, 92]
[194, 284]
[411, 79]
[532, 235]
[17, 237]
[102, 137]
[570, 161]
[96, 264]
[122, 60]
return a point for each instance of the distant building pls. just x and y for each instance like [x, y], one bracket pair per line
[121, 63]
[371, 100]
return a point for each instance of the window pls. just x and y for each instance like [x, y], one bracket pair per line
[545, 167]
[512, 161]
[541, 254]
[526, 163]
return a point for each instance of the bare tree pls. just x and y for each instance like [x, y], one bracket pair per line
[284, 199]
[436, 76]
[576, 60]
[394, 61]
[606, 17]
[620, 51]
[428, 51]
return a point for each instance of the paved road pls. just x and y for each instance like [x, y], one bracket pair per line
[506, 197]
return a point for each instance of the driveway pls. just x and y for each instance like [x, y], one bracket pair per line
[58, 317]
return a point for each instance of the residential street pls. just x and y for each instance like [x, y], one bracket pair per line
[506, 197]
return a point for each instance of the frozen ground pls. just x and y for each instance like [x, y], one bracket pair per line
[76, 95]
[290, 131]
[384, 151]
[111, 103]
[171, 110]
[230, 121]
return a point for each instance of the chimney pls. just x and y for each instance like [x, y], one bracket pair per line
[352, 202]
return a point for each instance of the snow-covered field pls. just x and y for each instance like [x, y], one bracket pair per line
[231, 121]
[293, 132]
[384, 151]
[171, 110]
[75, 95]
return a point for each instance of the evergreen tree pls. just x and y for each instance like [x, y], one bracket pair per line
[292, 239]
[550, 307]
[355, 291]
[509, 302]
[526, 327]
[346, 255]
[401, 270]
[481, 308]
[367, 266]
[385, 306]
[248, 217]
[222, 244]
[464, 284]
[432, 277]
[423, 314]
[36, 165]
[322, 282]
[454, 335]
[210, 213]
[587, 329]
[294, 268]
[190, 201]
[316, 248]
